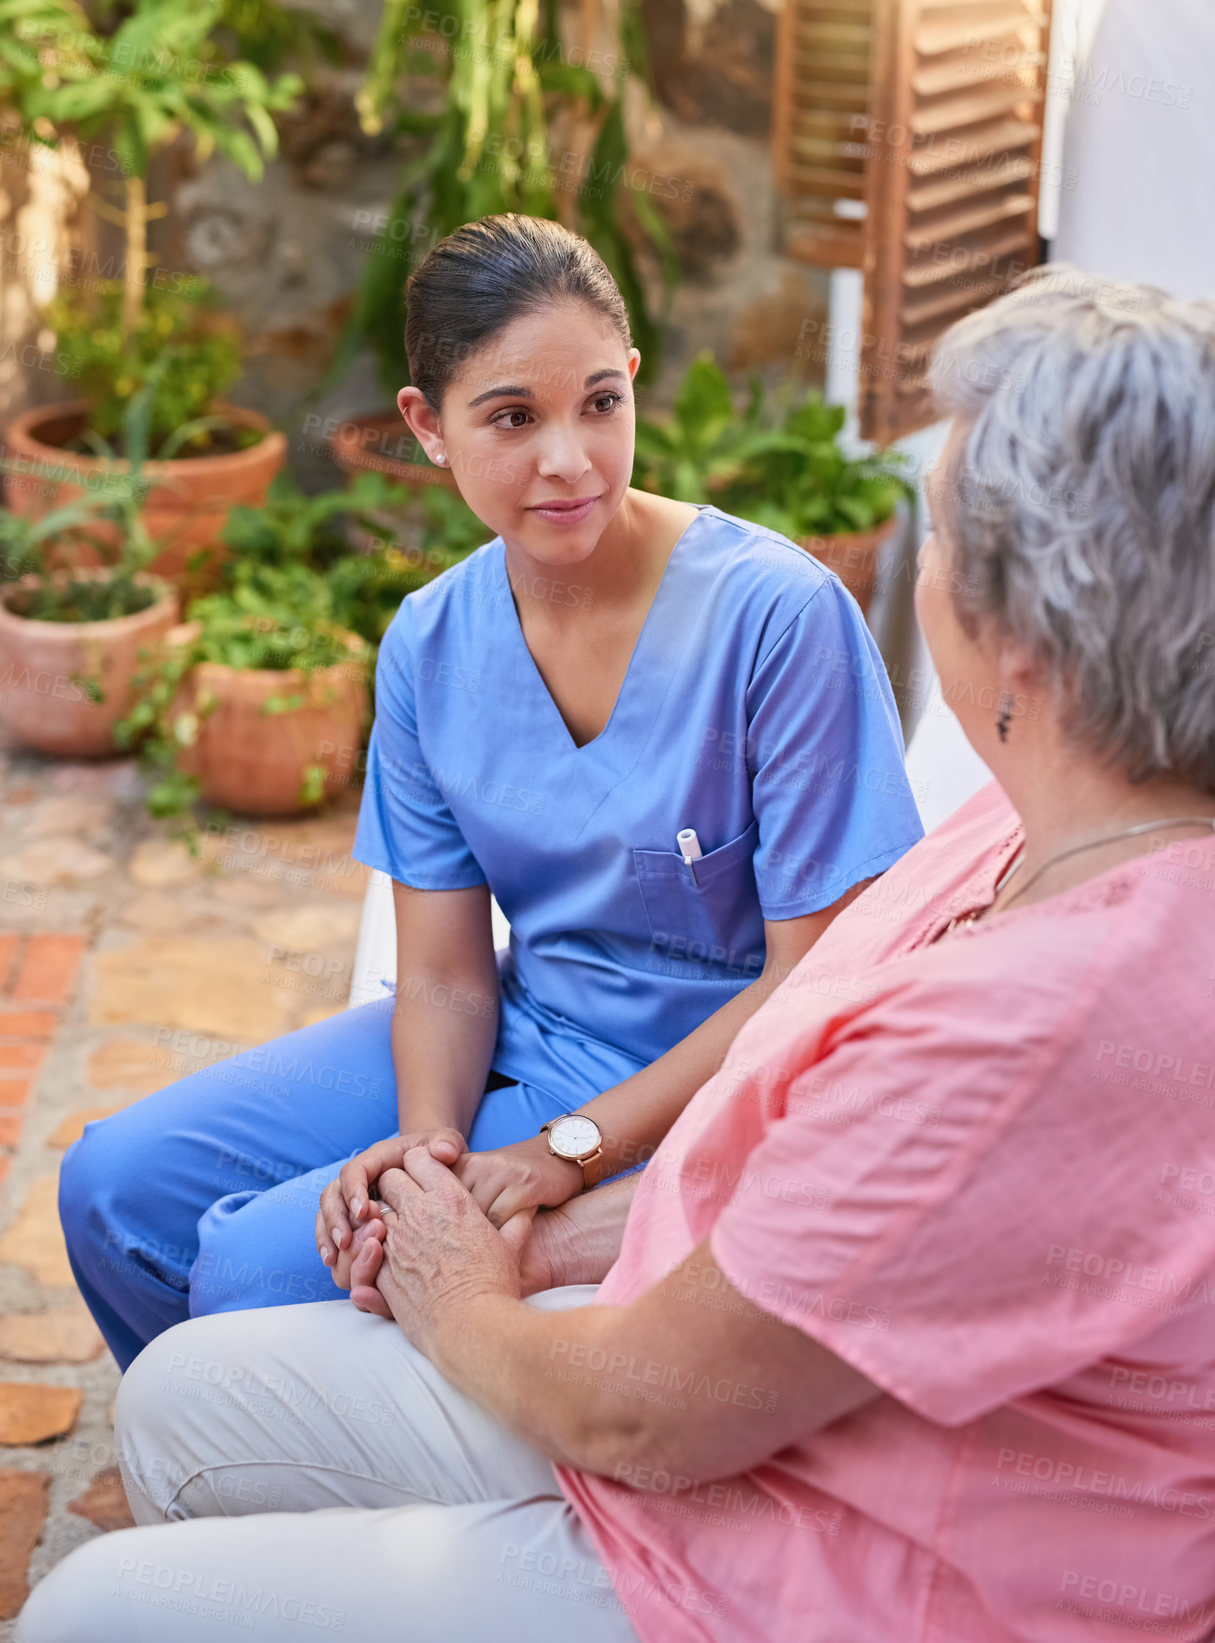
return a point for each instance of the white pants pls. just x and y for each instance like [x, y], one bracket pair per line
[333, 1482]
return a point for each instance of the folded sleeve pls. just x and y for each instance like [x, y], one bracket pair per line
[968, 1219]
[825, 750]
[405, 826]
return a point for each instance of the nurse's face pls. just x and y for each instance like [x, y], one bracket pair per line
[537, 429]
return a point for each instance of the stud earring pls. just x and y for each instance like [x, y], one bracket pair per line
[441, 457]
[1005, 717]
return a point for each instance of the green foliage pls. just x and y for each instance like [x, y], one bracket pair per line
[199, 348]
[368, 587]
[780, 464]
[699, 442]
[293, 592]
[266, 33]
[277, 617]
[23, 539]
[488, 151]
[160, 71]
[292, 527]
[311, 533]
[72, 600]
[62, 596]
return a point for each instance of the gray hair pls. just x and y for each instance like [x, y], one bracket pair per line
[1082, 519]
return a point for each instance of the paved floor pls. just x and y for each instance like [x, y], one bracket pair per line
[125, 963]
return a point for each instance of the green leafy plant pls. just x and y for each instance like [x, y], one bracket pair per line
[159, 72]
[24, 540]
[700, 441]
[780, 463]
[293, 594]
[488, 150]
[201, 350]
[313, 532]
[126, 549]
[276, 617]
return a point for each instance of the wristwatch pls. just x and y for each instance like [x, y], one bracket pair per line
[575, 1137]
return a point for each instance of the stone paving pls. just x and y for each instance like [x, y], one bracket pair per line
[125, 963]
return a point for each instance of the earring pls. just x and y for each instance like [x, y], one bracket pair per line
[441, 457]
[1006, 713]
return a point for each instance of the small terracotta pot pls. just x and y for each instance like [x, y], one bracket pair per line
[42, 702]
[188, 502]
[253, 762]
[853, 556]
[382, 443]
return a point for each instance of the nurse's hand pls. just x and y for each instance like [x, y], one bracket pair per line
[525, 1176]
[347, 1203]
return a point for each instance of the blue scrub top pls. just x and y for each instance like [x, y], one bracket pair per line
[756, 709]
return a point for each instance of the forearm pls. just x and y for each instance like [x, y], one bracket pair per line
[578, 1242]
[444, 1028]
[518, 1363]
[636, 1114]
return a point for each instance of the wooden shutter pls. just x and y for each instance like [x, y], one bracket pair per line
[950, 165]
[821, 110]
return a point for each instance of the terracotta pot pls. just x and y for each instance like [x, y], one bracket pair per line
[853, 556]
[382, 443]
[43, 704]
[188, 502]
[255, 763]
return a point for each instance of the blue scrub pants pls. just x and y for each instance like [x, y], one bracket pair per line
[202, 1197]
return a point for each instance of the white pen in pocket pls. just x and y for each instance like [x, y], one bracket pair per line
[688, 846]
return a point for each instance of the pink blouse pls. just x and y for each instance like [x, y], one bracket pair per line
[983, 1173]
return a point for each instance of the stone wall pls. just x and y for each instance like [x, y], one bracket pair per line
[286, 253]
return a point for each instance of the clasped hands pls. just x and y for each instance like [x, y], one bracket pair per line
[418, 1212]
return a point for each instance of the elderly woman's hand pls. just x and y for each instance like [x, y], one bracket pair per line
[438, 1247]
[347, 1203]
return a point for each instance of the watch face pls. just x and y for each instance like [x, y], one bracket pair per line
[574, 1137]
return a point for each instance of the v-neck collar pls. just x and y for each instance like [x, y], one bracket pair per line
[660, 595]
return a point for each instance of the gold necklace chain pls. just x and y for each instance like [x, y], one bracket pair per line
[1062, 855]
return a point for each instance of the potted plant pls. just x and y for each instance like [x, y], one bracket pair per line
[698, 445]
[71, 636]
[780, 465]
[797, 478]
[257, 703]
[404, 538]
[158, 74]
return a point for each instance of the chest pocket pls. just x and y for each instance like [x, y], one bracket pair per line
[714, 920]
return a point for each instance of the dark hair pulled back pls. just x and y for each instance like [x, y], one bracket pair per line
[488, 273]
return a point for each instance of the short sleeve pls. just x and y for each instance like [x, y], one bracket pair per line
[405, 827]
[967, 1218]
[825, 748]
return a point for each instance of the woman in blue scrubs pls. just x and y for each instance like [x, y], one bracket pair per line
[611, 670]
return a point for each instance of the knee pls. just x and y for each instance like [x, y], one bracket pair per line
[97, 1180]
[63, 1607]
[152, 1426]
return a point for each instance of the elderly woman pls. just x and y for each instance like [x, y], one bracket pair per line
[905, 1332]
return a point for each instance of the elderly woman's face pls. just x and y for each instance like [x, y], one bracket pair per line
[965, 667]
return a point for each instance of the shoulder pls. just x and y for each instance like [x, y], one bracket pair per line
[462, 595]
[770, 583]
[742, 551]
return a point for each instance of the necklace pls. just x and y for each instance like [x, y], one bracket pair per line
[1062, 855]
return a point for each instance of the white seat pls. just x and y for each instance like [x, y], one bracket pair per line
[943, 768]
[375, 959]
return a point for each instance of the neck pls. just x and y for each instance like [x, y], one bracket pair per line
[625, 565]
[1066, 799]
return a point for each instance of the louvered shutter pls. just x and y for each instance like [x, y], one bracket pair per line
[947, 168]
